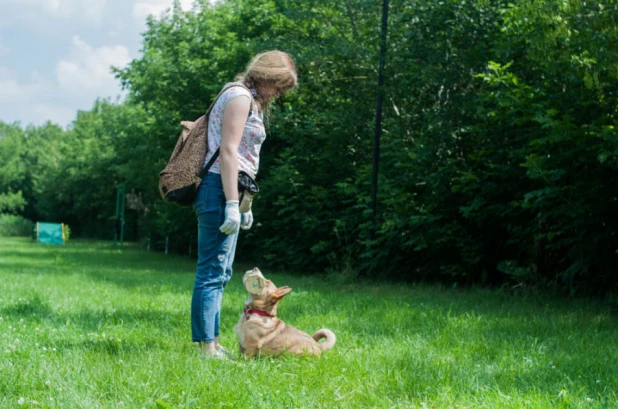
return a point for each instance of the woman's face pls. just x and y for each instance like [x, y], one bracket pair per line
[269, 91]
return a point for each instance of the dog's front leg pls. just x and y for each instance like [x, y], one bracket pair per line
[252, 352]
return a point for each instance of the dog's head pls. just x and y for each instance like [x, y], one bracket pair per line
[263, 294]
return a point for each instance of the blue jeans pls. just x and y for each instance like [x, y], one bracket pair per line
[215, 255]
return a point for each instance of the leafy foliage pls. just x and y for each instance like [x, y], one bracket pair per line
[15, 226]
[499, 148]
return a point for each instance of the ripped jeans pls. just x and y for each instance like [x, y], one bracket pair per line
[215, 256]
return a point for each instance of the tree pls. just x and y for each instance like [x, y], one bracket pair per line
[12, 171]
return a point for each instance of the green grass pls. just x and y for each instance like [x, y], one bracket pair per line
[86, 325]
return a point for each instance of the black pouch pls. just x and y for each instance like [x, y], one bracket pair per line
[247, 188]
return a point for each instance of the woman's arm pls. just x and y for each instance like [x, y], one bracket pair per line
[234, 119]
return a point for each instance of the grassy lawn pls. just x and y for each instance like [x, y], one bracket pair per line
[88, 326]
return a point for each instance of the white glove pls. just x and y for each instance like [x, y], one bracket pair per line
[232, 218]
[246, 220]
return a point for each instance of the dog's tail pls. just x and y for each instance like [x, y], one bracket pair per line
[329, 337]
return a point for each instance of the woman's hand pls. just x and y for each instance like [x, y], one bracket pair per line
[232, 218]
[246, 220]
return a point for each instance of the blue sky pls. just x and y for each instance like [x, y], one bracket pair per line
[55, 55]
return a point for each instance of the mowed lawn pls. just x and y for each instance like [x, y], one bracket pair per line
[87, 325]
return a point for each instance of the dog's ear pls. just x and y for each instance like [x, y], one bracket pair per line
[280, 292]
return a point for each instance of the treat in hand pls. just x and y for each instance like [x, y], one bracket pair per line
[254, 282]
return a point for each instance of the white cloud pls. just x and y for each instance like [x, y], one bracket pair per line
[117, 27]
[31, 102]
[144, 8]
[69, 71]
[3, 50]
[13, 91]
[89, 69]
[91, 10]
[80, 79]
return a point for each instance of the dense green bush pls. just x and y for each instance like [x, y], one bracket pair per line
[15, 226]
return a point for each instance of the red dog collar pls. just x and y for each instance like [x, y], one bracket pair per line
[249, 311]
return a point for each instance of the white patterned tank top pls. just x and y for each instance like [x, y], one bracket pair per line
[252, 137]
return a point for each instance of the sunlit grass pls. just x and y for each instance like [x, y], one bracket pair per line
[86, 325]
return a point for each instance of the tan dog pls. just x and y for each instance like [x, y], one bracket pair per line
[259, 330]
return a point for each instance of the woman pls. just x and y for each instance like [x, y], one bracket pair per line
[236, 125]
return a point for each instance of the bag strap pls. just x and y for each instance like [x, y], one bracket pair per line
[209, 164]
[216, 154]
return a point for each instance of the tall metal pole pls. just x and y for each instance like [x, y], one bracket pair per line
[122, 203]
[378, 130]
[116, 220]
[120, 207]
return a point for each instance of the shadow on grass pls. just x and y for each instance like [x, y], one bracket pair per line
[35, 254]
[110, 346]
[28, 308]
[92, 324]
[128, 268]
[150, 280]
[95, 320]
